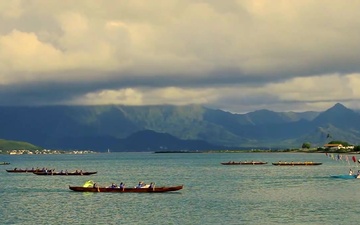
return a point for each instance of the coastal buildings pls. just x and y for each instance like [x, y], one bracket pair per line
[338, 147]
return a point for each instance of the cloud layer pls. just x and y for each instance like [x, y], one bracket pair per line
[237, 55]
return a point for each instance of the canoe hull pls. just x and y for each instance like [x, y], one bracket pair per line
[297, 164]
[344, 176]
[23, 171]
[123, 190]
[243, 163]
[64, 174]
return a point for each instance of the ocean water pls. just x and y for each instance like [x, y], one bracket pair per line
[212, 194]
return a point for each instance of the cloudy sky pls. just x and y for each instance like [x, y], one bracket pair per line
[235, 55]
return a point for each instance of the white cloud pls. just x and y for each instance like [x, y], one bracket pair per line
[126, 96]
[317, 88]
[24, 58]
[130, 96]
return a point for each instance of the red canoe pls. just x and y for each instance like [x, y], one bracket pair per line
[65, 173]
[129, 189]
[26, 170]
[244, 163]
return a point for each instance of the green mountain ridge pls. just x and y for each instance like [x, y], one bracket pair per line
[6, 145]
[112, 126]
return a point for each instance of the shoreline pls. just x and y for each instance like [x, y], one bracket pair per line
[260, 151]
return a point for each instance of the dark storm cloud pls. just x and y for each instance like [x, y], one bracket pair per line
[238, 56]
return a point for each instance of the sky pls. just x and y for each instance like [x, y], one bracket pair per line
[235, 55]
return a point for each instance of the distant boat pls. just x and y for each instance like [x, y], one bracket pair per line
[244, 163]
[108, 150]
[344, 176]
[4, 163]
[27, 170]
[51, 173]
[297, 163]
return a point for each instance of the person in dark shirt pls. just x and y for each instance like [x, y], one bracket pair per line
[152, 185]
[140, 185]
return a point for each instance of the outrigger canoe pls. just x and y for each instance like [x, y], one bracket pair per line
[296, 163]
[64, 173]
[344, 176]
[244, 163]
[25, 170]
[127, 189]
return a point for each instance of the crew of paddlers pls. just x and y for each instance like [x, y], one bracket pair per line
[37, 169]
[351, 173]
[42, 170]
[141, 184]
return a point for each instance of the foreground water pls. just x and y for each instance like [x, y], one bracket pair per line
[212, 194]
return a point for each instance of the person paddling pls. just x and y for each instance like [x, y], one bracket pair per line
[358, 174]
[140, 184]
[152, 185]
[122, 186]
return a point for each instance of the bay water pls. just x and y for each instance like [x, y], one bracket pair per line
[212, 194]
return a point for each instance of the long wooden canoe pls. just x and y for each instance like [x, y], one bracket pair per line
[127, 189]
[25, 170]
[296, 163]
[64, 173]
[244, 163]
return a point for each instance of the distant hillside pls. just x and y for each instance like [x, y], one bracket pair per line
[162, 141]
[191, 127]
[140, 141]
[6, 145]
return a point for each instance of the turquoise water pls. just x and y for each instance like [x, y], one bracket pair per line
[212, 194]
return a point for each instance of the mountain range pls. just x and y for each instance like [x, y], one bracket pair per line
[169, 128]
